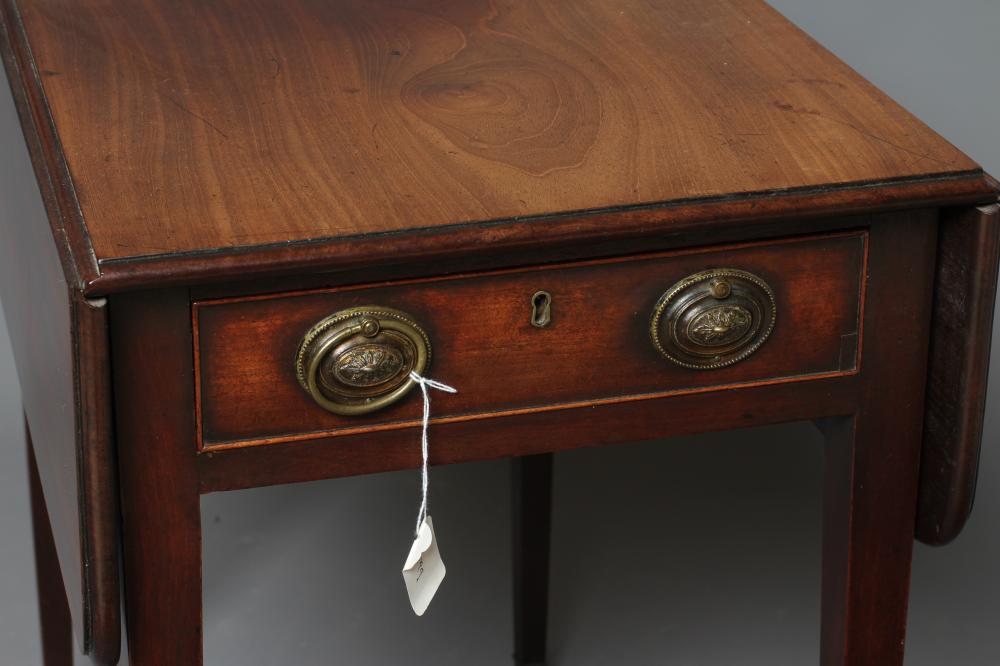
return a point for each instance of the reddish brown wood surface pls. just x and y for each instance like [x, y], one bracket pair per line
[596, 348]
[98, 477]
[872, 458]
[59, 341]
[56, 622]
[161, 520]
[964, 298]
[69, 230]
[186, 143]
[520, 241]
[501, 258]
[526, 434]
[192, 127]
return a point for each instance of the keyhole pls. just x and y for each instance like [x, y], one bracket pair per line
[541, 309]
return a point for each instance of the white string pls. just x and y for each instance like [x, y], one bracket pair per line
[425, 384]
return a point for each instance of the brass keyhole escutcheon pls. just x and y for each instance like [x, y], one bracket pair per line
[541, 309]
[359, 360]
[713, 319]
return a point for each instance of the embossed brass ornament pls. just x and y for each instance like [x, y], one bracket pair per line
[720, 325]
[713, 319]
[359, 360]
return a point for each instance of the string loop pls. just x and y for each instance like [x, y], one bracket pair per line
[426, 384]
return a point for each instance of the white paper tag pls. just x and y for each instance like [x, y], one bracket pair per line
[423, 570]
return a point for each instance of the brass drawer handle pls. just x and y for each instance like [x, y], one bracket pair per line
[359, 360]
[713, 319]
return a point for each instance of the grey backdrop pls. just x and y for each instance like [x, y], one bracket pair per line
[686, 551]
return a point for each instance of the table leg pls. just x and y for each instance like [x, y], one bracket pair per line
[531, 493]
[869, 504]
[872, 458]
[159, 480]
[56, 624]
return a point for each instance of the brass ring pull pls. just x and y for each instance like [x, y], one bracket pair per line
[359, 360]
[713, 319]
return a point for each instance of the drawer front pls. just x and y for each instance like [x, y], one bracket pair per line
[490, 337]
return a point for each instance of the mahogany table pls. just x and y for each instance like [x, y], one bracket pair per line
[231, 230]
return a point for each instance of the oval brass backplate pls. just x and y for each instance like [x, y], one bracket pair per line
[359, 360]
[713, 319]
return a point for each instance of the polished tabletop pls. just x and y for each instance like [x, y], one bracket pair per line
[193, 127]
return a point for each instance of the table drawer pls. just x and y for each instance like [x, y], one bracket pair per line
[489, 339]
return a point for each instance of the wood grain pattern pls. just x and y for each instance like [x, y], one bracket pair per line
[60, 346]
[596, 348]
[221, 143]
[496, 255]
[197, 126]
[964, 299]
[525, 241]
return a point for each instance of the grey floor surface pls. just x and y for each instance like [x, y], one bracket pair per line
[696, 551]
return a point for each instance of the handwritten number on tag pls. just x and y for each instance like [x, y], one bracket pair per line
[423, 570]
